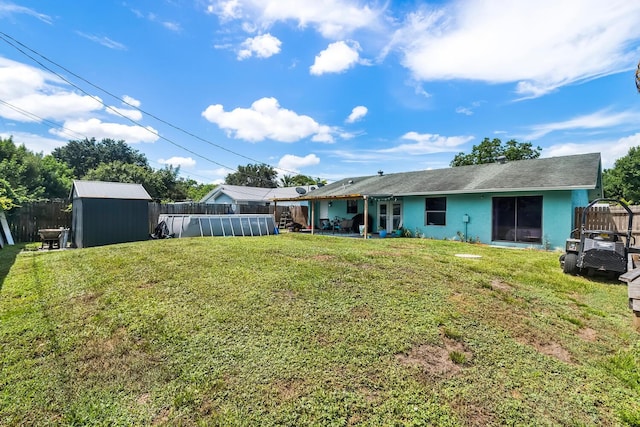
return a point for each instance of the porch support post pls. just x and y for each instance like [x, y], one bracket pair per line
[313, 215]
[275, 217]
[366, 217]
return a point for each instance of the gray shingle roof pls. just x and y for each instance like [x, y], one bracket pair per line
[108, 190]
[242, 193]
[581, 171]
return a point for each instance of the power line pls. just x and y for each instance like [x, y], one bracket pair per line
[115, 111]
[39, 119]
[5, 36]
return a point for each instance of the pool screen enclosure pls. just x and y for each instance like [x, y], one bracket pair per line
[219, 225]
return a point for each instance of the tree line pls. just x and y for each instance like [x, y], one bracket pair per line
[27, 176]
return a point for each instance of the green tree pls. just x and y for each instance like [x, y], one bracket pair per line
[161, 184]
[303, 180]
[490, 149]
[125, 172]
[254, 175]
[196, 191]
[32, 176]
[623, 180]
[286, 181]
[299, 180]
[83, 155]
[9, 198]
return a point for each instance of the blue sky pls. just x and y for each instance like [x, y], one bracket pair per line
[326, 88]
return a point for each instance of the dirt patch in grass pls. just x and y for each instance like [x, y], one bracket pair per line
[588, 334]
[361, 312]
[162, 418]
[435, 361]
[324, 339]
[87, 297]
[117, 356]
[549, 348]
[285, 294]
[498, 285]
[290, 389]
[472, 415]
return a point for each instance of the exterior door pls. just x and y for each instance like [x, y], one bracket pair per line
[390, 215]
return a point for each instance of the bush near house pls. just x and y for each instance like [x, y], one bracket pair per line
[310, 330]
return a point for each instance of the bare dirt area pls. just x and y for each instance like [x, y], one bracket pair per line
[434, 360]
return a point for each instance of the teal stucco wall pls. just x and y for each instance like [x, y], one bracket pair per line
[557, 216]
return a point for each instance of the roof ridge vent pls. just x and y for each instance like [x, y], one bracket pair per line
[501, 159]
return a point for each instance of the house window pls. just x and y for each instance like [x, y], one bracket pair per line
[517, 219]
[435, 211]
[352, 206]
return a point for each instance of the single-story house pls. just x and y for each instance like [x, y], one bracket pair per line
[256, 196]
[105, 213]
[514, 203]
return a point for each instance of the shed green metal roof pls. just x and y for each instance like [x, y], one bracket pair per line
[581, 171]
[108, 190]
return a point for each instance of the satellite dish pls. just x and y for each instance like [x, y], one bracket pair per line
[301, 190]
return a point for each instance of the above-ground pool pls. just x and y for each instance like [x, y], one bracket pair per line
[195, 225]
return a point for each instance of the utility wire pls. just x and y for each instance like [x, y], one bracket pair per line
[11, 42]
[69, 132]
[39, 119]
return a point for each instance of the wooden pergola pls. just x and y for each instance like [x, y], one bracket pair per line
[313, 199]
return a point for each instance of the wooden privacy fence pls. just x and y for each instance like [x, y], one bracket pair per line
[610, 218]
[25, 221]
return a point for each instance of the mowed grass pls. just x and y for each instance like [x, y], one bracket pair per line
[311, 330]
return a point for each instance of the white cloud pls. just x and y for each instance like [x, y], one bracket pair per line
[133, 114]
[262, 46]
[357, 114]
[176, 161]
[226, 9]
[7, 9]
[131, 101]
[598, 120]
[100, 130]
[464, 110]
[289, 162]
[336, 58]
[37, 143]
[30, 90]
[31, 95]
[539, 45]
[172, 26]
[426, 143]
[58, 106]
[332, 18]
[104, 41]
[130, 114]
[265, 119]
[610, 150]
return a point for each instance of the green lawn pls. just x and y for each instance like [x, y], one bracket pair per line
[311, 330]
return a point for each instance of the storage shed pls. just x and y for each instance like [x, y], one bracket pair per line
[105, 213]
